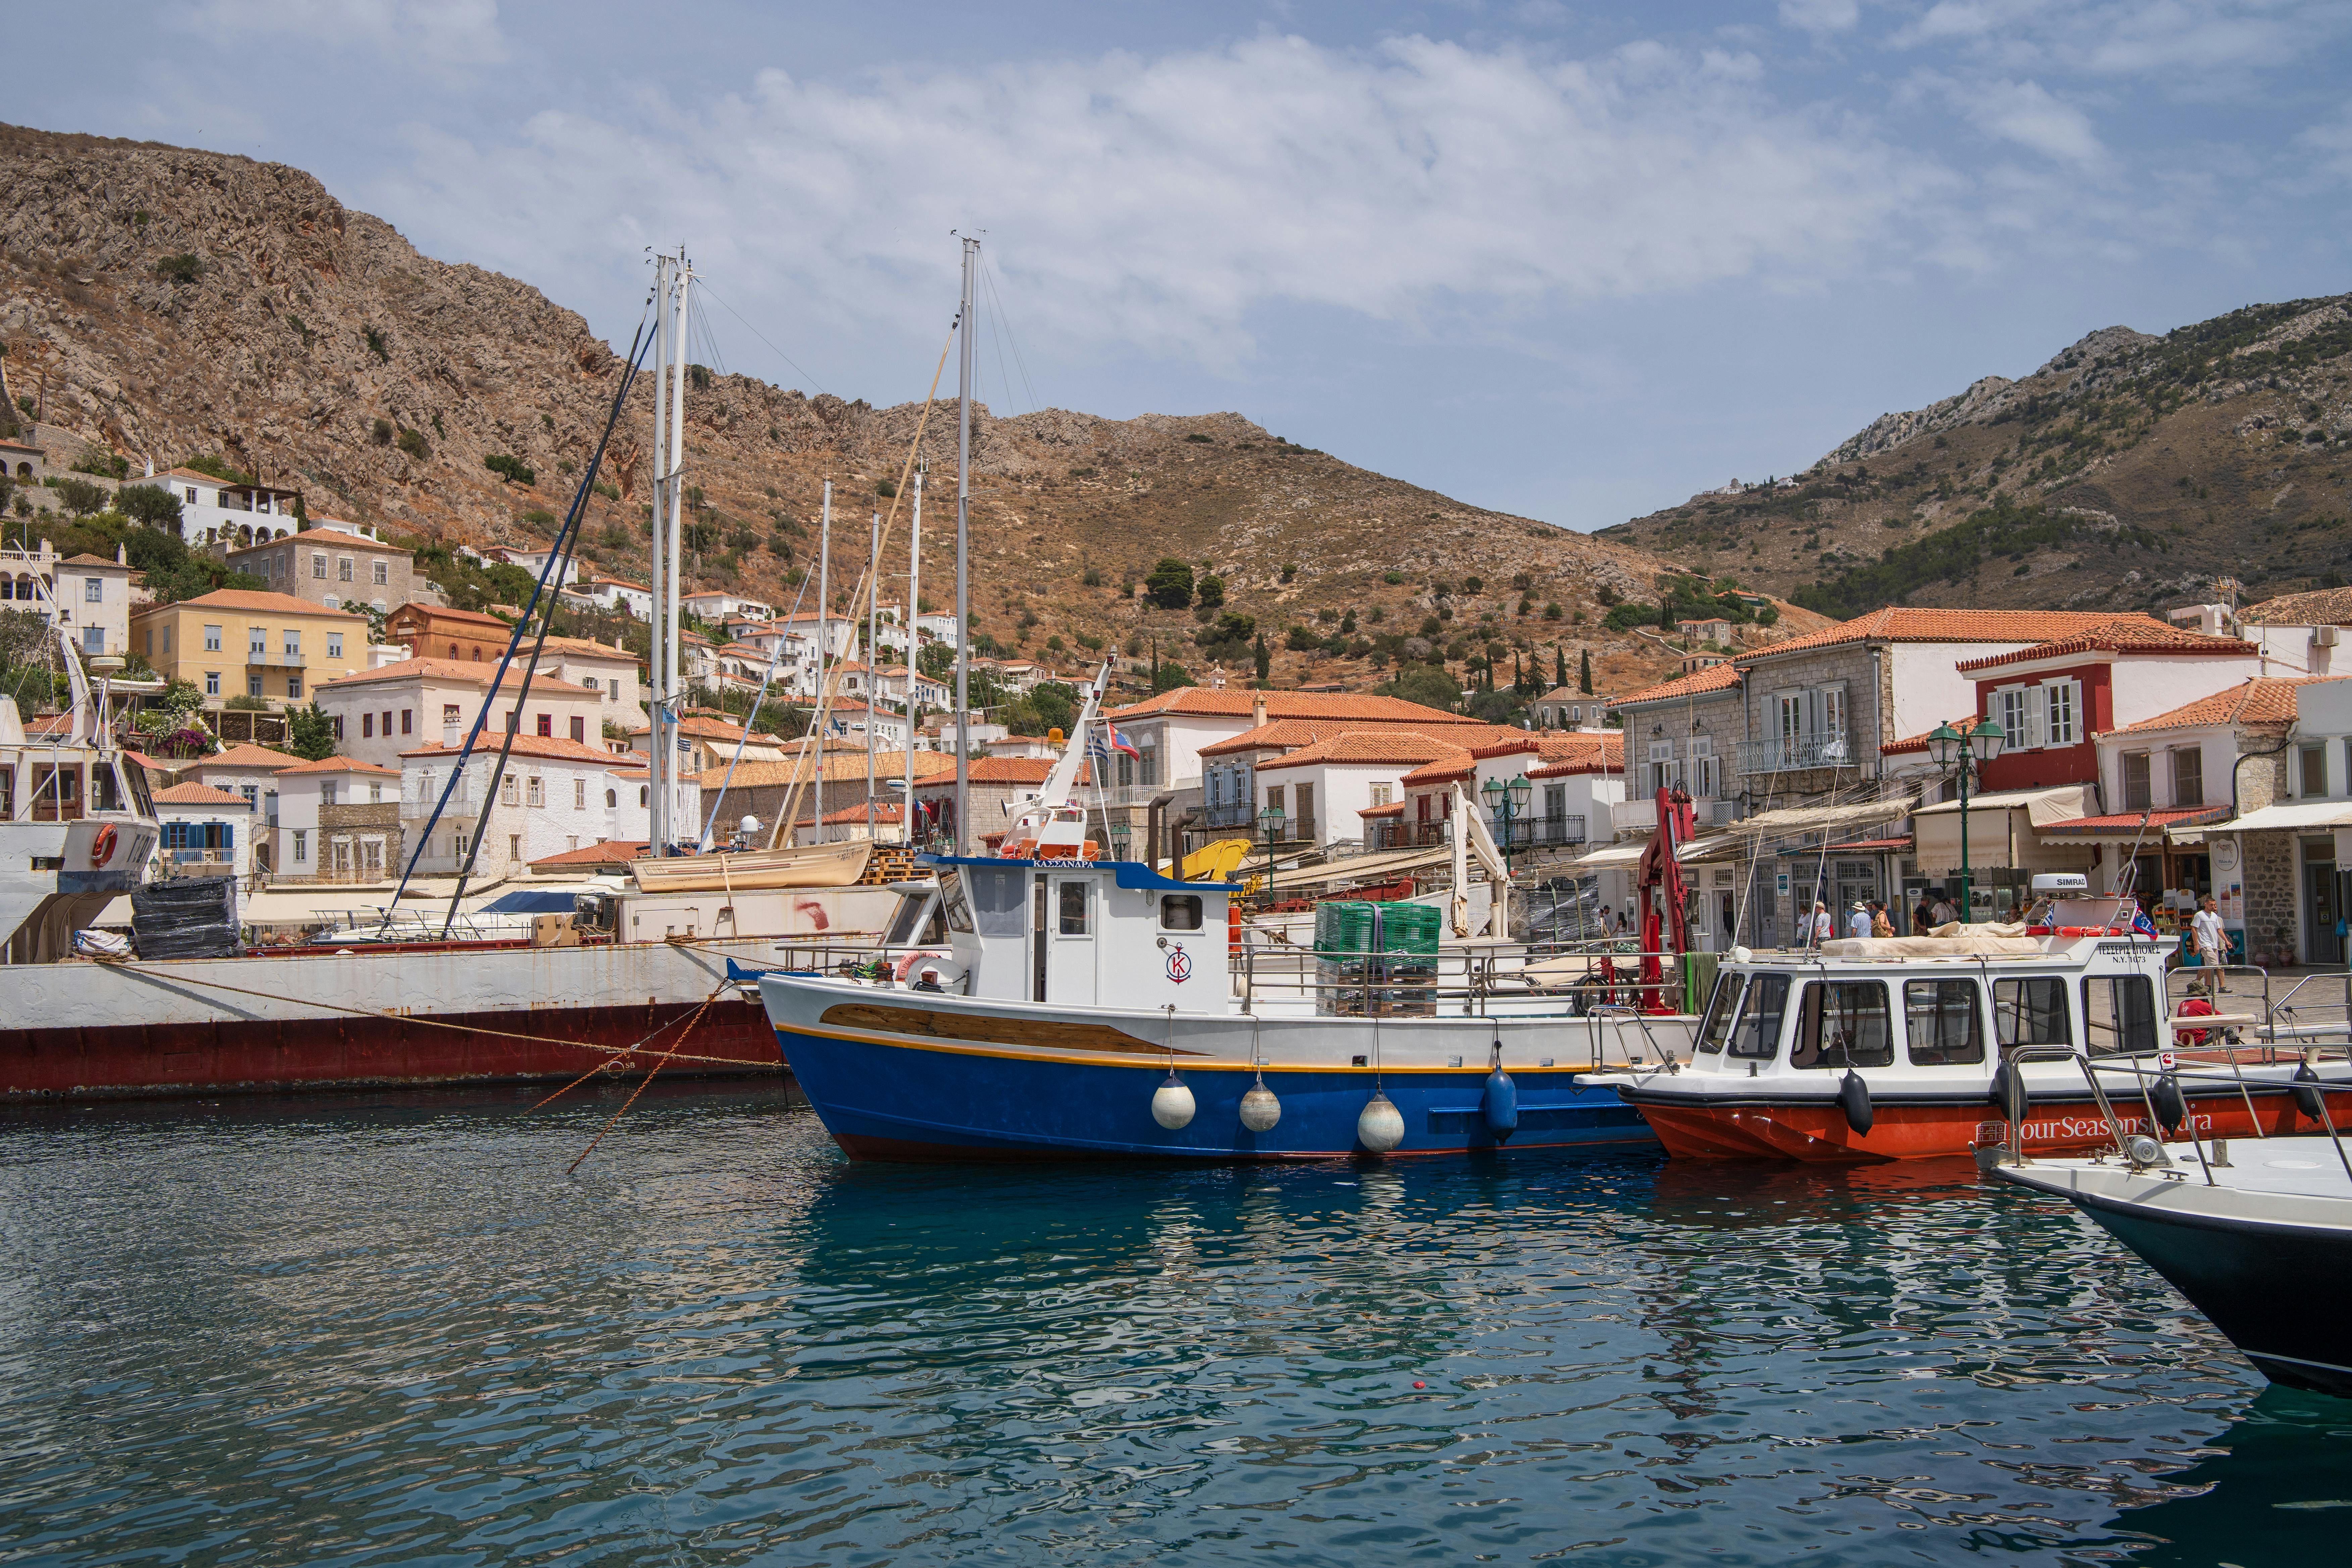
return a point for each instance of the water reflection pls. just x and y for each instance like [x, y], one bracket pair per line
[384, 1330]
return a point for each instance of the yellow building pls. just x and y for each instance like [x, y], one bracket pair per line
[234, 642]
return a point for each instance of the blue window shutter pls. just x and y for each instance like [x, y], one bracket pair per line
[228, 835]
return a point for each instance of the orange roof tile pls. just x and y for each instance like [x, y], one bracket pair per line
[199, 795]
[254, 600]
[466, 670]
[87, 559]
[884, 811]
[1899, 623]
[1553, 746]
[2320, 607]
[1393, 808]
[2262, 700]
[547, 746]
[997, 769]
[1392, 744]
[1232, 703]
[243, 755]
[2145, 635]
[1697, 683]
[338, 766]
[473, 616]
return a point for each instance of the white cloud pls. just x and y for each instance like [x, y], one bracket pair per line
[2330, 142]
[441, 38]
[1821, 16]
[1163, 202]
[2026, 112]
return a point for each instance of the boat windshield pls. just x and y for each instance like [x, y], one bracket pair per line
[532, 901]
[1757, 1036]
[1716, 1027]
[2119, 1013]
[1843, 1024]
[2029, 1011]
[952, 902]
[1942, 1022]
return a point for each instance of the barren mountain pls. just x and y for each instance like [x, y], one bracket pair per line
[2130, 472]
[167, 304]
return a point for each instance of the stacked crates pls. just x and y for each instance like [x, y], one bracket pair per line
[1375, 958]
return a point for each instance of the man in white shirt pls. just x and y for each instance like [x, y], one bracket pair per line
[1823, 928]
[2205, 936]
[1857, 920]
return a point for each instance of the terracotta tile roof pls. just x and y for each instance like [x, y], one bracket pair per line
[466, 670]
[996, 770]
[604, 852]
[2320, 607]
[1714, 678]
[1288, 734]
[2128, 822]
[243, 755]
[1552, 747]
[1898, 622]
[338, 766]
[884, 811]
[836, 766]
[1394, 808]
[591, 649]
[547, 746]
[87, 559]
[199, 795]
[2263, 699]
[1919, 742]
[1232, 703]
[256, 601]
[469, 617]
[1390, 744]
[611, 582]
[2146, 635]
[1457, 765]
[697, 728]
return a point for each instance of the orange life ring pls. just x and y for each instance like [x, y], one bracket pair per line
[101, 848]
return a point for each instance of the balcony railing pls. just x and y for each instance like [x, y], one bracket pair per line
[1783, 754]
[273, 659]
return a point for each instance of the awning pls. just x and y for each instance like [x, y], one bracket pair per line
[1391, 866]
[1741, 840]
[2003, 828]
[2298, 814]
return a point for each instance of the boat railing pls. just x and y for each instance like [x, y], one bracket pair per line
[1513, 978]
[2246, 996]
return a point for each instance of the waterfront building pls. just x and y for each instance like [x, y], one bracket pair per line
[239, 642]
[93, 598]
[381, 714]
[557, 795]
[207, 832]
[337, 820]
[335, 563]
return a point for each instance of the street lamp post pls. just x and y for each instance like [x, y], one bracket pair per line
[1507, 804]
[1270, 823]
[1965, 750]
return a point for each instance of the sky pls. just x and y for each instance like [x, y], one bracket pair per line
[1573, 261]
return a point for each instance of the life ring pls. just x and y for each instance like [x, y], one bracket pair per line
[101, 848]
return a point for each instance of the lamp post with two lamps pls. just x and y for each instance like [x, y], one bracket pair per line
[1965, 751]
[1507, 802]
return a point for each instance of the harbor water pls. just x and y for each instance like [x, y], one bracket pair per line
[392, 1330]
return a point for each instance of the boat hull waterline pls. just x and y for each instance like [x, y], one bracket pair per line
[1954, 1127]
[377, 1018]
[890, 1095]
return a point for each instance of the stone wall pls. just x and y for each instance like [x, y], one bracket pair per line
[2268, 876]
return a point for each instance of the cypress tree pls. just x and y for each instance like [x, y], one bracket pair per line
[1584, 671]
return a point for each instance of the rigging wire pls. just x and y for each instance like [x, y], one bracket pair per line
[988, 276]
[755, 331]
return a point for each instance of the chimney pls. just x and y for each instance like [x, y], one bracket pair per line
[1257, 708]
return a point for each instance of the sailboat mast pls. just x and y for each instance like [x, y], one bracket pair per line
[658, 739]
[872, 658]
[914, 646]
[963, 556]
[677, 552]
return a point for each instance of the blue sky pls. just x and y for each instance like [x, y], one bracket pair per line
[1574, 261]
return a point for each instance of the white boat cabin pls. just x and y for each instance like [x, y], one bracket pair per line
[1086, 934]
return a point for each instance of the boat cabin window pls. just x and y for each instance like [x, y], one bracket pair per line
[907, 921]
[8, 795]
[1843, 1024]
[998, 900]
[105, 790]
[141, 801]
[2119, 1013]
[1715, 1026]
[1072, 908]
[952, 902]
[1179, 912]
[1942, 1023]
[1756, 1037]
[57, 792]
[2030, 1012]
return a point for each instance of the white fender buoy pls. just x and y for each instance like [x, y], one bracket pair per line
[1172, 1103]
[1260, 1109]
[1380, 1127]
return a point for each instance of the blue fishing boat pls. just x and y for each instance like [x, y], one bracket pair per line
[1070, 1007]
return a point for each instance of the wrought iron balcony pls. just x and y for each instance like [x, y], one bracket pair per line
[1782, 755]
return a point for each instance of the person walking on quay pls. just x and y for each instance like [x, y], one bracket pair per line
[1922, 918]
[1820, 928]
[1857, 920]
[2206, 937]
[1880, 925]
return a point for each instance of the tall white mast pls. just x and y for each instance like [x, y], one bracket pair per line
[658, 740]
[677, 554]
[824, 641]
[914, 646]
[963, 556]
[872, 658]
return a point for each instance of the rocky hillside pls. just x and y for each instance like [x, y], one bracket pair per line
[166, 304]
[2130, 472]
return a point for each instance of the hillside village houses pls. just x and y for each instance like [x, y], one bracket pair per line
[242, 642]
[227, 511]
[556, 795]
[381, 714]
[207, 832]
[615, 595]
[335, 563]
[94, 599]
[338, 820]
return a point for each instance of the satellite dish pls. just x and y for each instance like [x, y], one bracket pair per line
[750, 825]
